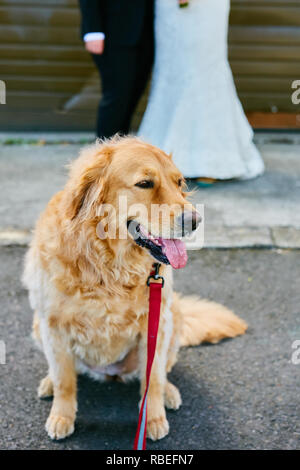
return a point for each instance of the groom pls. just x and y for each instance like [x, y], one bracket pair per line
[119, 35]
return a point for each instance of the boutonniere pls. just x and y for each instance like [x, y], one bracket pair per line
[183, 3]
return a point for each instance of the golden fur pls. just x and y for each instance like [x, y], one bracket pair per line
[90, 296]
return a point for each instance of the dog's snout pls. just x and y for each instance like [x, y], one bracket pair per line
[190, 221]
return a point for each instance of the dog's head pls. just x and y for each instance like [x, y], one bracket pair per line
[132, 191]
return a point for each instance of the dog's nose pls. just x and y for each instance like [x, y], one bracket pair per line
[190, 221]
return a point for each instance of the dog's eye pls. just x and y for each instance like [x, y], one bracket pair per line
[180, 182]
[145, 184]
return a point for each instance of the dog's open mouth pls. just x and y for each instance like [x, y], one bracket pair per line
[165, 250]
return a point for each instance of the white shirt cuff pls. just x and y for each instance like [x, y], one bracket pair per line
[93, 36]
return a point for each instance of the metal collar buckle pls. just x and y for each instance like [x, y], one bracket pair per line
[155, 275]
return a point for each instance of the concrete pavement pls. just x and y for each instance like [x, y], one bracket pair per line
[264, 212]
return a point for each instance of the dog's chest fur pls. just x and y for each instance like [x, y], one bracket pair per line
[99, 331]
[99, 327]
[101, 336]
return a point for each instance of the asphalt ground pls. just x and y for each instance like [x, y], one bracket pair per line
[239, 394]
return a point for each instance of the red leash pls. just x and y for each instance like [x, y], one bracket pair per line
[153, 323]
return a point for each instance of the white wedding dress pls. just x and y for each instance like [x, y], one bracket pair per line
[193, 110]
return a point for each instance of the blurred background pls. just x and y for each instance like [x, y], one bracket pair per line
[251, 256]
[53, 85]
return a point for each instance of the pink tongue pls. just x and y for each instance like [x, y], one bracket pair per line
[175, 251]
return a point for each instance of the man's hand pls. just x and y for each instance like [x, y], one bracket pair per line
[95, 47]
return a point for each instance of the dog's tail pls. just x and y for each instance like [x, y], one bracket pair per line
[206, 321]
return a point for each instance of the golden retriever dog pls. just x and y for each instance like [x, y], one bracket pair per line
[89, 290]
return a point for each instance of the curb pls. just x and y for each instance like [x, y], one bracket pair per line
[261, 137]
[218, 237]
[11, 237]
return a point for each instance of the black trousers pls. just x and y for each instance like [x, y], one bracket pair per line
[124, 72]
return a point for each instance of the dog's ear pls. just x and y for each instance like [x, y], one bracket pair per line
[87, 182]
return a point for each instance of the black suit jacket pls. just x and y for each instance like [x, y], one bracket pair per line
[122, 21]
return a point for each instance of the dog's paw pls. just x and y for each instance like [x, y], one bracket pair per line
[45, 388]
[172, 397]
[59, 427]
[157, 428]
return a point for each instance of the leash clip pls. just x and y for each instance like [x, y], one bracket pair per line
[155, 275]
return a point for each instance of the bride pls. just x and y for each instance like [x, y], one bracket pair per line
[193, 110]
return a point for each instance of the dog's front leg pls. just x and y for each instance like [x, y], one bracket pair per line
[60, 422]
[158, 426]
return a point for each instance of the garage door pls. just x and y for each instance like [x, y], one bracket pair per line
[52, 84]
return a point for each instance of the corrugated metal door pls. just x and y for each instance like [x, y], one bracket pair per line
[45, 67]
[264, 52]
[52, 84]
